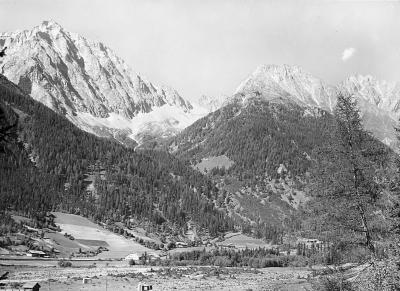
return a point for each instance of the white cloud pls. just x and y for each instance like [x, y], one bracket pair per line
[348, 53]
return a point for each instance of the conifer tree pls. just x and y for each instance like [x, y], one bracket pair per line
[344, 185]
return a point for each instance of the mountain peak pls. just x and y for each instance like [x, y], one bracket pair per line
[279, 69]
[50, 24]
[87, 82]
[287, 81]
[49, 27]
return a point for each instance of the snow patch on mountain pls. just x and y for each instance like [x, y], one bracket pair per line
[212, 103]
[89, 84]
[162, 121]
[94, 88]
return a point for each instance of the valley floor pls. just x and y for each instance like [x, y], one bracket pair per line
[117, 276]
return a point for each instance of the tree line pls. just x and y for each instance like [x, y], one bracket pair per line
[48, 161]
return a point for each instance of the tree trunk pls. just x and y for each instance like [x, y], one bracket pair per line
[367, 233]
[368, 239]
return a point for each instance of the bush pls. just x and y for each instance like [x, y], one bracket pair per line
[222, 262]
[298, 261]
[382, 275]
[333, 283]
[357, 254]
[64, 264]
[131, 262]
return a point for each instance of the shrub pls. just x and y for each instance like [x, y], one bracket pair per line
[221, 261]
[357, 255]
[334, 282]
[131, 262]
[64, 264]
[381, 275]
[298, 261]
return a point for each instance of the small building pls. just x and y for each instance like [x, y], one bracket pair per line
[31, 229]
[180, 244]
[31, 286]
[153, 256]
[33, 253]
[133, 256]
[86, 280]
[309, 242]
[144, 287]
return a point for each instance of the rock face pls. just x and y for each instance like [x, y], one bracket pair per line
[281, 82]
[379, 105]
[89, 84]
[210, 103]
[381, 94]
[379, 101]
[96, 90]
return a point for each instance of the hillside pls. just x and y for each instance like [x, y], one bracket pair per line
[259, 147]
[268, 144]
[257, 136]
[378, 100]
[47, 163]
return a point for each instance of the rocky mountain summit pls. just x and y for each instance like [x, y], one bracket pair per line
[96, 90]
[379, 101]
[211, 103]
[272, 81]
[89, 84]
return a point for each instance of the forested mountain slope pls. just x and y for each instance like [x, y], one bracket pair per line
[258, 136]
[270, 141]
[47, 163]
[378, 100]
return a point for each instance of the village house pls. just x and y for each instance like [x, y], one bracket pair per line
[31, 229]
[133, 256]
[31, 286]
[144, 287]
[153, 256]
[309, 242]
[180, 244]
[33, 253]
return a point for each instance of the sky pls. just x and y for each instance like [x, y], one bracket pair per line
[207, 47]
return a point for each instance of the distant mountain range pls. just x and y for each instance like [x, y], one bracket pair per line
[379, 101]
[89, 84]
[96, 90]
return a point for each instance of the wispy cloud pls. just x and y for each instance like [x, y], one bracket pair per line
[348, 53]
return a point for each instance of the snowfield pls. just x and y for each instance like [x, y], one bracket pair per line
[163, 121]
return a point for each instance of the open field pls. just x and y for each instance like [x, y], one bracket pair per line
[119, 277]
[89, 234]
[209, 163]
